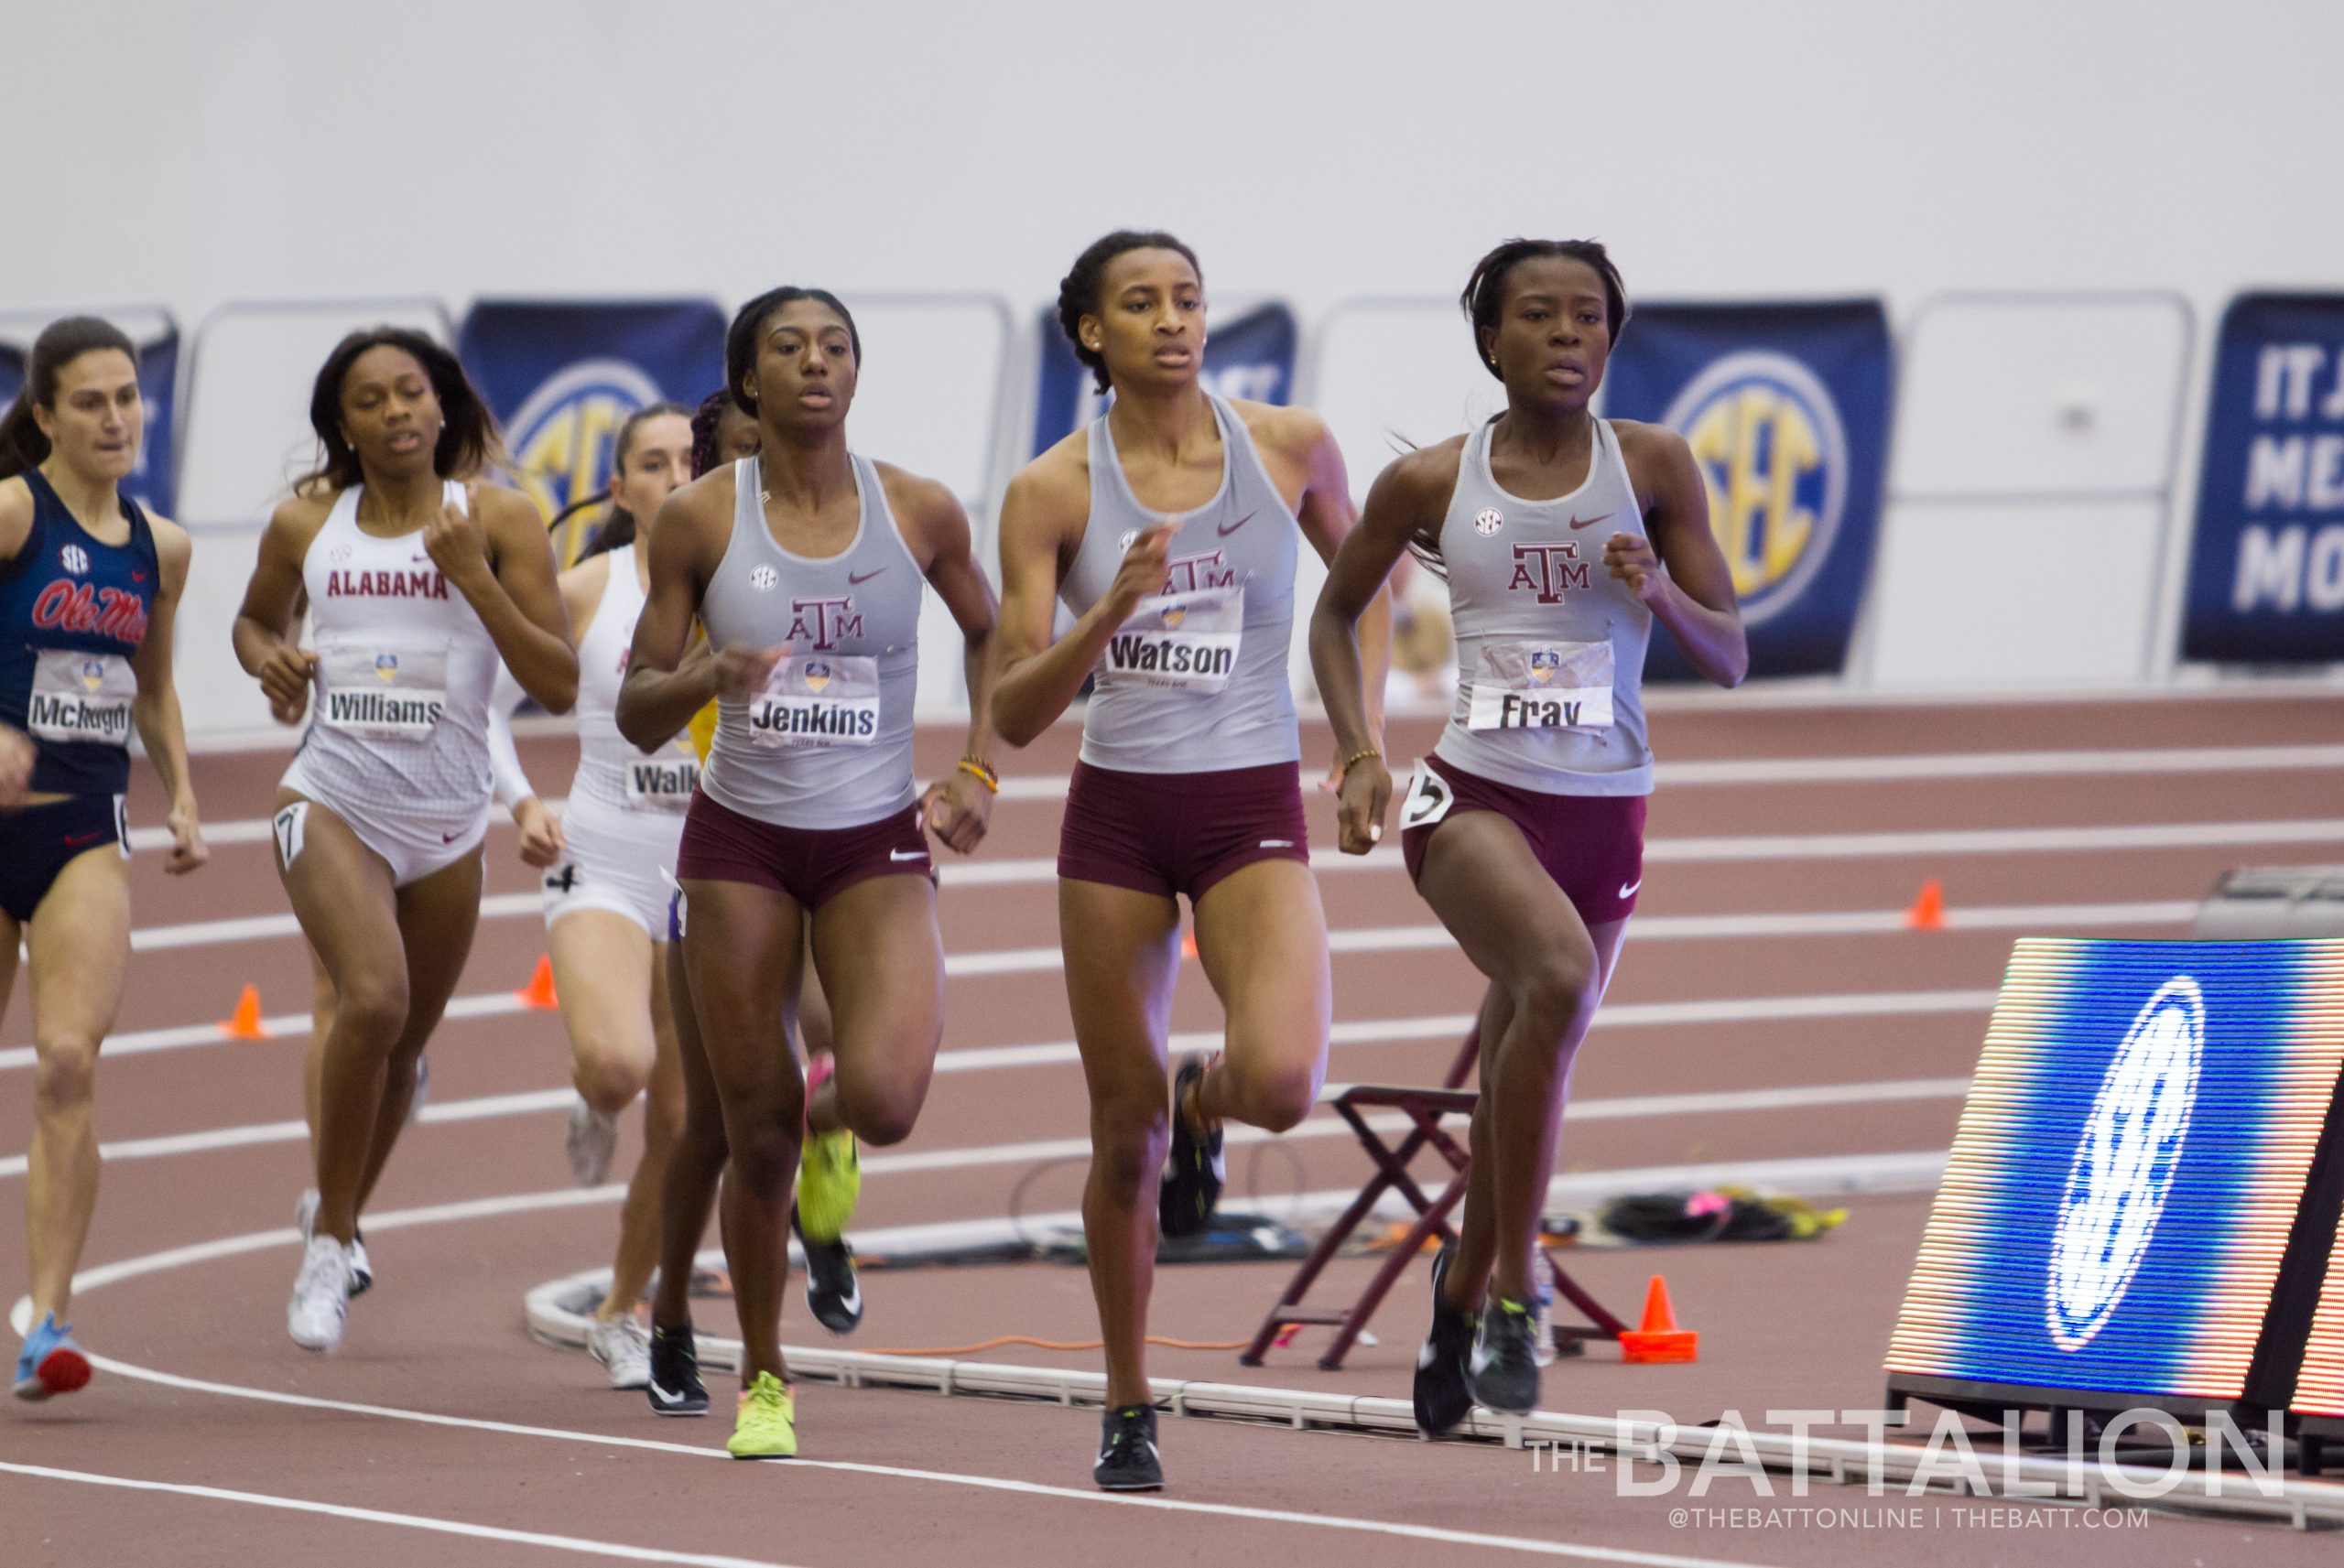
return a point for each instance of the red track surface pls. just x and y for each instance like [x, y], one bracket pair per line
[923, 1476]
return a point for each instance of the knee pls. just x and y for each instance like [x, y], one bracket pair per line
[877, 1115]
[67, 1074]
[372, 1009]
[1273, 1096]
[1554, 996]
[1129, 1135]
[607, 1075]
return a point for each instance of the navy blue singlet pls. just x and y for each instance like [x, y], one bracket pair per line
[72, 612]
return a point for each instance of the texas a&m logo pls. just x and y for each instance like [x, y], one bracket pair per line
[1547, 569]
[824, 622]
[1185, 574]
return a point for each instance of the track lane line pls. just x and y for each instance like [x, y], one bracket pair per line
[571, 1543]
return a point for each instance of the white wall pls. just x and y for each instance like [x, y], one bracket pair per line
[243, 148]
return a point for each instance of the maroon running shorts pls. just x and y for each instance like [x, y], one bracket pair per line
[1591, 845]
[809, 865]
[1178, 833]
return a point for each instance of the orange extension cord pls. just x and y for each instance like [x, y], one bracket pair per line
[1027, 1339]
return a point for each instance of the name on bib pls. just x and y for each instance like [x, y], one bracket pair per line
[818, 700]
[83, 698]
[661, 784]
[1183, 641]
[381, 693]
[1542, 686]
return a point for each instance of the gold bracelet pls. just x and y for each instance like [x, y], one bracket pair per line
[1356, 758]
[983, 774]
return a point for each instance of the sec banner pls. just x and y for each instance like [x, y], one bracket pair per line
[561, 377]
[1787, 409]
[151, 484]
[2267, 564]
[1251, 357]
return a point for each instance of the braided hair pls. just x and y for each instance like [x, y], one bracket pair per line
[1079, 290]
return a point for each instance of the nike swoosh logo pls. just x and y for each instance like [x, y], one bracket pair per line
[452, 838]
[1483, 1360]
[1588, 522]
[1630, 891]
[902, 855]
[1428, 1356]
[854, 580]
[663, 1396]
[74, 841]
[1233, 527]
[852, 1301]
[138, 577]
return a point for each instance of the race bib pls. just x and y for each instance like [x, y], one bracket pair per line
[1186, 642]
[382, 692]
[81, 697]
[818, 699]
[1543, 686]
[663, 783]
[1427, 800]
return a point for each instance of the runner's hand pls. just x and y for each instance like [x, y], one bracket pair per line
[284, 681]
[456, 542]
[1145, 570]
[17, 754]
[1629, 557]
[1359, 814]
[541, 839]
[958, 808]
[742, 673]
[188, 850]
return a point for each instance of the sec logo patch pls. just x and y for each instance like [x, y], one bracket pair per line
[1488, 521]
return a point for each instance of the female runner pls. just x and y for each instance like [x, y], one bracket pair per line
[1169, 526]
[1525, 828]
[90, 584]
[805, 564]
[419, 579]
[606, 860]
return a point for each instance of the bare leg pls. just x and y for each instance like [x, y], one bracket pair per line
[695, 1161]
[662, 1117]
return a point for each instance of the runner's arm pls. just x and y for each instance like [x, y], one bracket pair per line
[960, 805]
[1693, 596]
[265, 622]
[1327, 517]
[668, 677]
[156, 709]
[511, 586]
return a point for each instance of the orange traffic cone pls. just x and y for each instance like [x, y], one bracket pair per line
[245, 1022]
[1659, 1339]
[1187, 943]
[538, 992]
[1927, 912]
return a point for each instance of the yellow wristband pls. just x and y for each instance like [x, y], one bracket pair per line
[982, 774]
[1356, 758]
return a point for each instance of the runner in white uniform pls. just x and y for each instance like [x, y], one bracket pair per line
[1524, 830]
[419, 579]
[608, 862]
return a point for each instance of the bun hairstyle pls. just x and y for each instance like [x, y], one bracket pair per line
[22, 446]
[1484, 296]
[468, 437]
[1079, 289]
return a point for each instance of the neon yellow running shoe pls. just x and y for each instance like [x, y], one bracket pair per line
[767, 1426]
[829, 1180]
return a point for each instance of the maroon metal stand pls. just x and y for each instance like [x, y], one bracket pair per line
[1426, 1110]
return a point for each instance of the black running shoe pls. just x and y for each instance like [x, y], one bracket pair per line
[1127, 1457]
[833, 1293]
[1504, 1370]
[675, 1387]
[1186, 1197]
[1443, 1397]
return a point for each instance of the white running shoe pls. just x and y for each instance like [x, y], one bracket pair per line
[623, 1345]
[362, 1268]
[321, 1296]
[593, 1143]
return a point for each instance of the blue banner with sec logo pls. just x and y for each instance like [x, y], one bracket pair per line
[1251, 357]
[1787, 409]
[561, 377]
[2266, 563]
[151, 482]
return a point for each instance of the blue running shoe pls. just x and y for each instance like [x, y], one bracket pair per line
[52, 1363]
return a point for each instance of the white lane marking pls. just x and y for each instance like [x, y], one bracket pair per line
[2153, 760]
[409, 1521]
[1618, 1106]
[21, 1315]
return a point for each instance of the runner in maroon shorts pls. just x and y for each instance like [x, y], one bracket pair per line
[1169, 526]
[806, 564]
[1525, 828]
